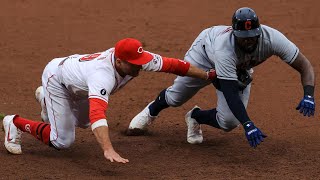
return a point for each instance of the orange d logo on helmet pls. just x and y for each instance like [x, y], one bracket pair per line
[131, 50]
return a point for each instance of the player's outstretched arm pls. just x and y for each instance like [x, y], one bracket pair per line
[100, 129]
[199, 73]
[180, 68]
[102, 136]
[230, 89]
[304, 67]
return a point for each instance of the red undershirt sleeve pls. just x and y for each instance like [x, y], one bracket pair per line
[97, 109]
[175, 66]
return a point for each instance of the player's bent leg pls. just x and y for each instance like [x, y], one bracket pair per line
[63, 142]
[12, 141]
[227, 122]
[183, 89]
[39, 130]
[225, 118]
[180, 92]
[81, 113]
[62, 134]
[206, 117]
[39, 95]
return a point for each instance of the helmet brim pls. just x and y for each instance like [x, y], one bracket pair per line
[247, 33]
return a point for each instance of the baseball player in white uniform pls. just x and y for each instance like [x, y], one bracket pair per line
[75, 93]
[232, 51]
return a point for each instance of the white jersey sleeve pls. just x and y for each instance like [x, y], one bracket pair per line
[155, 64]
[92, 75]
[100, 85]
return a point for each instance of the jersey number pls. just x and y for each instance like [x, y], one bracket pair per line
[89, 57]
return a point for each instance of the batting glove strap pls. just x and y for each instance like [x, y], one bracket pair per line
[101, 122]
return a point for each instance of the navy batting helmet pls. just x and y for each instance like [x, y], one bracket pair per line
[245, 23]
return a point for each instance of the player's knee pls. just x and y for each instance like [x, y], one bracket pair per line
[174, 102]
[228, 122]
[63, 143]
[229, 128]
[175, 99]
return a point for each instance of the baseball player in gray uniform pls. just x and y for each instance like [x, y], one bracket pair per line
[232, 51]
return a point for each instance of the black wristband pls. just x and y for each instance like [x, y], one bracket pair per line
[308, 90]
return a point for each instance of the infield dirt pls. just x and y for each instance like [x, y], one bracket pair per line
[34, 32]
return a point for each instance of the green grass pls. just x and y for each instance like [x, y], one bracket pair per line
[2, 115]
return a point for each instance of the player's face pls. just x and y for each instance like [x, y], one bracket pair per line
[126, 68]
[248, 45]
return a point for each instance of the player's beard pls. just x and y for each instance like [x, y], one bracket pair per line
[247, 47]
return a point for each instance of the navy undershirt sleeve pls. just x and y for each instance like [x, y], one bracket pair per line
[230, 91]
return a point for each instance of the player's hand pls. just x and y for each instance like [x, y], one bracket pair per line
[211, 75]
[307, 106]
[253, 134]
[113, 156]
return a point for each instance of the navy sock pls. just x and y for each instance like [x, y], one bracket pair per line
[206, 117]
[159, 104]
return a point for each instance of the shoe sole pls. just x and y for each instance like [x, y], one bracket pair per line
[11, 152]
[195, 142]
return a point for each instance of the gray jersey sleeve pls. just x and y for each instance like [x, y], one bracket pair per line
[220, 51]
[282, 46]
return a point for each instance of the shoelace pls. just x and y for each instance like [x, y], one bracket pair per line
[195, 127]
[18, 138]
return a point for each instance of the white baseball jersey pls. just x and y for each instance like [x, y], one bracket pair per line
[214, 47]
[94, 75]
[69, 81]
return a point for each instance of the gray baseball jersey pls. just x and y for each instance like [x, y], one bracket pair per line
[215, 48]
